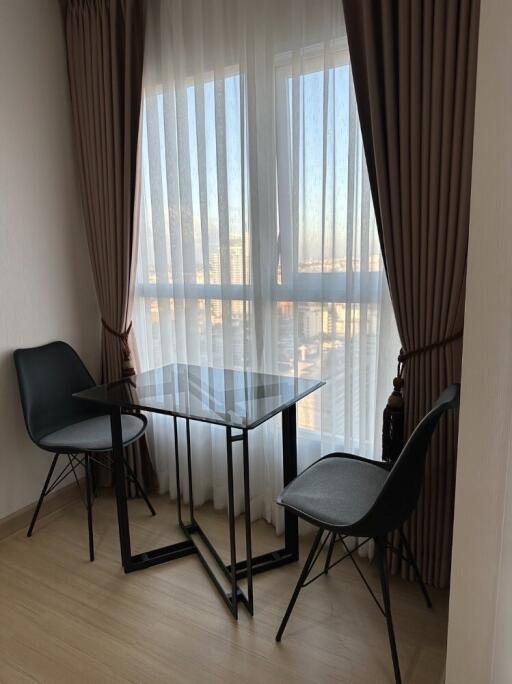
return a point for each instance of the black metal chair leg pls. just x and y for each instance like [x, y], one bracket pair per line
[329, 553]
[94, 483]
[138, 486]
[380, 545]
[88, 487]
[43, 494]
[300, 582]
[417, 573]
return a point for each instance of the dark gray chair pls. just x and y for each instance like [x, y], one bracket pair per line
[348, 496]
[48, 376]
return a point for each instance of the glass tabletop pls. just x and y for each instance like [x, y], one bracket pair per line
[232, 398]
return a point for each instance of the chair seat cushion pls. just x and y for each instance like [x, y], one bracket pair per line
[336, 491]
[93, 434]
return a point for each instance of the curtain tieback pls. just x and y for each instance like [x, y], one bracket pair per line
[127, 368]
[405, 355]
[393, 416]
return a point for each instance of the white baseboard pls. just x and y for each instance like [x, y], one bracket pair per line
[14, 522]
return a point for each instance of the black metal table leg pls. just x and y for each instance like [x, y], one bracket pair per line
[189, 463]
[177, 469]
[291, 523]
[147, 558]
[138, 487]
[247, 514]
[233, 571]
[290, 552]
[232, 531]
[120, 487]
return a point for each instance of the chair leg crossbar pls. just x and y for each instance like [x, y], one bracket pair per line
[381, 546]
[86, 461]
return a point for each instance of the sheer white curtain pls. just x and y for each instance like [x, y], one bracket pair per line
[258, 244]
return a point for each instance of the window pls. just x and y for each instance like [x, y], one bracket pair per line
[258, 243]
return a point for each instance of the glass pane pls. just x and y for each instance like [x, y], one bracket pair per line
[214, 395]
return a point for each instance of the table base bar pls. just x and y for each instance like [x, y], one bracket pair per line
[165, 554]
[267, 561]
[161, 555]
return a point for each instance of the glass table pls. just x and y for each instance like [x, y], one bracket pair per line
[238, 401]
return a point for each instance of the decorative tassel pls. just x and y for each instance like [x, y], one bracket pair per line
[393, 416]
[127, 368]
[393, 422]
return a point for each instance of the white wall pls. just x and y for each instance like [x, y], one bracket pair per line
[46, 289]
[480, 620]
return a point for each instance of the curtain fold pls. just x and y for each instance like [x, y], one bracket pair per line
[414, 67]
[105, 45]
[259, 247]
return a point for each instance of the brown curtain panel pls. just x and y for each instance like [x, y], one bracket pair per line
[414, 69]
[105, 46]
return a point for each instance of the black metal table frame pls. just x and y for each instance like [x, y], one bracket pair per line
[235, 570]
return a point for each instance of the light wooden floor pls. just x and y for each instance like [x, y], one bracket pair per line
[66, 620]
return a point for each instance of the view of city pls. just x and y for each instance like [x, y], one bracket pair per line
[240, 266]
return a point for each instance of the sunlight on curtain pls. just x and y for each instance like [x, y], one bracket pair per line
[258, 246]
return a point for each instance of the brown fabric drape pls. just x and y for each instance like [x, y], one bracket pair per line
[414, 68]
[105, 45]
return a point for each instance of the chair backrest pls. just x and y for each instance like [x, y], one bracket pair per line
[402, 488]
[47, 378]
